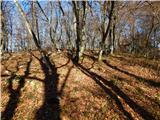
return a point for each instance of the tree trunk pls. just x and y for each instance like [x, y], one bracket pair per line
[4, 33]
[1, 29]
[113, 38]
[32, 34]
[83, 36]
[35, 26]
[77, 25]
[11, 34]
[80, 28]
[104, 36]
[52, 36]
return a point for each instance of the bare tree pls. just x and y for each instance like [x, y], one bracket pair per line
[105, 30]
[4, 31]
[32, 34]
[80, 15]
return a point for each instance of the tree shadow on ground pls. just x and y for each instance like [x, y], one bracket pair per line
[148, 81]
[90, 56]
[64, 64]
[143, 63]
[65, 81]
[113, 91]
[15, 93]
[50, 109]
[115, 77]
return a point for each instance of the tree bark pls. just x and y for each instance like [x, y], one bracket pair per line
[104, 36]
[80, 27]
[76, 12]
[29, 28]
[1, 29]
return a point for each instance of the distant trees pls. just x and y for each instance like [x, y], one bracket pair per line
[32, 33]
[142, 22]
[52, 28]
[102, 26]
[30, 29]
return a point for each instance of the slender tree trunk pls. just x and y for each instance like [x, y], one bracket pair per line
[4, 33]
[1, 29]
[49, 22]
[11, 37]
[68, 33]
[37, 29]
[35, 21]
[106, 32]
[113, 39]
[148, 37]
[32, 34]
[133, 39]
[52, 35]
[30, 30]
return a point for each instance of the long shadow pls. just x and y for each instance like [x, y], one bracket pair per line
[50, 110]
[15, 93]
[104, 84]
[145, 96]
[144, 64]
[148, 81]
[64, 82]
[28, 77]
[92, 57]
[64, 64]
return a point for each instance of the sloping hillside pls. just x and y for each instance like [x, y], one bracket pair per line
[121, 87]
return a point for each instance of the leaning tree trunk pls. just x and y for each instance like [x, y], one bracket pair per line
[30, 30]
[49, 22]
[35, 26]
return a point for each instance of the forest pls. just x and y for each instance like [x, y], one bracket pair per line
[80, 60]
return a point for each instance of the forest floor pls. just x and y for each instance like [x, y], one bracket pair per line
[119, 88]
